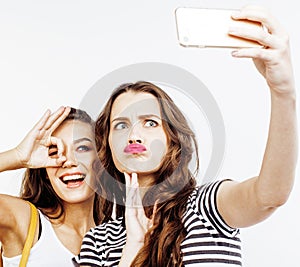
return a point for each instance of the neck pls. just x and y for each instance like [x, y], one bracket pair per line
[78, 216]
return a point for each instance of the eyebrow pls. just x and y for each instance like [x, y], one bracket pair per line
[82, 139]
[144, 116]
[119, 119]
[149, 116]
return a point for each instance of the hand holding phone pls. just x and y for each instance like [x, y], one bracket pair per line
[205, 27]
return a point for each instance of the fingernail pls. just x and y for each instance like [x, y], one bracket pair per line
[234, 53]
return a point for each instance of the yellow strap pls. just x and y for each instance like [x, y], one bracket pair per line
[30, 235]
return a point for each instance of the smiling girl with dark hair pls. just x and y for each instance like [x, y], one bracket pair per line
[61, 160]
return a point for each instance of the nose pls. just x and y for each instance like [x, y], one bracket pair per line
[70, 160]
[134, 141]
[134, 136]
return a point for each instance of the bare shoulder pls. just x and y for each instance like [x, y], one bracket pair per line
[14, 213]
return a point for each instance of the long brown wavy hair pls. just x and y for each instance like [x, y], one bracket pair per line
[173, 185]
[37, 189]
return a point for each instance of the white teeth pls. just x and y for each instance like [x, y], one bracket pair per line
[73, 177]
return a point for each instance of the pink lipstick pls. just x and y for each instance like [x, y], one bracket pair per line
[134, 148]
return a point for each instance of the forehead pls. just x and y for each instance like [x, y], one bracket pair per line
[131, 103]
[74, 129]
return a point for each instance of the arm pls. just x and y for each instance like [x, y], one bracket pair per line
[32, 152]
[259, 197]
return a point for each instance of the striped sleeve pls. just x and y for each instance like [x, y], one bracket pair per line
[206, 202]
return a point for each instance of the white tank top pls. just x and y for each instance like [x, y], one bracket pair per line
[47, 252]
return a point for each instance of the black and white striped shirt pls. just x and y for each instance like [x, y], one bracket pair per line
[209, 242]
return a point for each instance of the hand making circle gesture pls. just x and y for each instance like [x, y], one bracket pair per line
[33, 151]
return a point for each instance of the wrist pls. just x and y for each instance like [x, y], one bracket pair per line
[132, 247]
[129, 252]
[284, 94]
[284, 99]
[9, 161]
[19, 161]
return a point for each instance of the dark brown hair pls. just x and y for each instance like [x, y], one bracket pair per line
[174, 181]
[37, 189]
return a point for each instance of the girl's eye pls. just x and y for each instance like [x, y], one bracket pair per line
[83, 148]
[52, 151]
[151, 123]
[120, 126]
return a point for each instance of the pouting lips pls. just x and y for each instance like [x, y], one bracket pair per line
[72, 178]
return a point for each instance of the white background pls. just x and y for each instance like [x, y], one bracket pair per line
[52, 52]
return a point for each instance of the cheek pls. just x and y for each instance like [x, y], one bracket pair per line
[116, 144]
[51, 173]
[159, 143]
[87, 159]
[52, 176]
[158, 149]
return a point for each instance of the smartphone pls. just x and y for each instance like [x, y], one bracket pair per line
[208, 27]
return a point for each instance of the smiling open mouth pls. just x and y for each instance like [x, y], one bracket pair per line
[73, 180]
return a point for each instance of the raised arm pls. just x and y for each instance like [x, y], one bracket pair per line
[249, 202]
[32, 152]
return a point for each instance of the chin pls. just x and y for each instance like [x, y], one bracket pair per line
[139, 168]
[138, 171]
